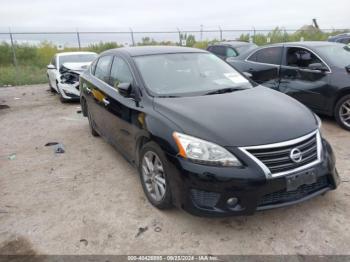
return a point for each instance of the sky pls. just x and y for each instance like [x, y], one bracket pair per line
[36, 15]
[160, 15]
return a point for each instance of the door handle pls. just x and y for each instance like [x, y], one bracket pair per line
[105, 101]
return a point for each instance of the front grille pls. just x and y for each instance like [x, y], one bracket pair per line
[284, 196]
[204, 199]
[277, 159]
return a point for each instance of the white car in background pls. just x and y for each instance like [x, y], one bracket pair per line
[64, 70]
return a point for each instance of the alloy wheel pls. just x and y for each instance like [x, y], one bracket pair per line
[344, 113]
[153, 176]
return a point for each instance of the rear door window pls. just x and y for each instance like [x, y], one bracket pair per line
[103, 68]
[120, 72]
[270, 55]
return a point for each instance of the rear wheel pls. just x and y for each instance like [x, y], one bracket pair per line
[153, 169]
[342, 112]
[91, 123]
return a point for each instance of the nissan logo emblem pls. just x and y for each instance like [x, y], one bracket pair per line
[296, 155]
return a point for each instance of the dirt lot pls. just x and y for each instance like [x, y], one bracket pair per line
[89, 199]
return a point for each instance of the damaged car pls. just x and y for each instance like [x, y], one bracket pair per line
[64, 70]
[202, 136]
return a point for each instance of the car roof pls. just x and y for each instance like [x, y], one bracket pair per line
[233, 43]
[304, 44]
[153, 50]
[75, 53]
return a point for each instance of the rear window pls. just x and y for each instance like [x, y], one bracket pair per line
[103, 67]
[270, 55]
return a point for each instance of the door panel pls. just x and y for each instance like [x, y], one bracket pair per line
[307, 86]
[267, 75]
[264, 65]
[96, 95]
[122, 113]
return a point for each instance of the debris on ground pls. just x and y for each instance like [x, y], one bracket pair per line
[58, 148]
[84, 241]
[17, 98]
[51, 143]
[4, 106]
[141, 231]
[157, 229]
[12, 156]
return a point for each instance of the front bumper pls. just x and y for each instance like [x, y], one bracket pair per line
[204, 190]
[69, 91]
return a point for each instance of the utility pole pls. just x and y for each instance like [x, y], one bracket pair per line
[201, 32]
[78, 37]
[14, 53]
[132, 36]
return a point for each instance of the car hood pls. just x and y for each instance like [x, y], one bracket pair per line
[248, 117]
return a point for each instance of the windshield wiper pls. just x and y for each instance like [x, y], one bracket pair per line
[224, 90]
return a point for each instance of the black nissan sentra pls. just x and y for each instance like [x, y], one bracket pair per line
[203, 137]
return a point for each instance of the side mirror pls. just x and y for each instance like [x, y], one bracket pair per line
[248, 75]
[318, 67]
[51, 66]
[124, 89]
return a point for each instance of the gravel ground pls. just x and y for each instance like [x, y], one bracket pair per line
[89, 200]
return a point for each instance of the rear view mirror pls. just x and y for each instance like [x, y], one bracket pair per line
[124, 89]
[51, 66]
[318, 66]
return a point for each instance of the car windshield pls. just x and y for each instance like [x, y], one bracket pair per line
[183, 74]
[338, 55]
[76, 58]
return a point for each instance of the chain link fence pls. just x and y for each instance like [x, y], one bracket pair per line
[23, 55]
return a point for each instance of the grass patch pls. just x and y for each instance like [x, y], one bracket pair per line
[26, 75]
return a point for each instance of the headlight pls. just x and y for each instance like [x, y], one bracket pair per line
[204, 152]
[319, 121]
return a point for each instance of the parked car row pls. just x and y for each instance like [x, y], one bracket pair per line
[315, 73]
[216, 137]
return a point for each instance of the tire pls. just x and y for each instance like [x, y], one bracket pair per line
[92, 129]
[62, 99]
[342, 112]
[161, 199]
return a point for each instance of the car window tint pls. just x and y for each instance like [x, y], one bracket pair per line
[102, 68]
[300, 57]
[344, 40]
[120, 72]
[270, 55]
[219, 50]
[230, 52]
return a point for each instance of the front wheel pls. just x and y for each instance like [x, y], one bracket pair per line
[153, 171]
[342, 112]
